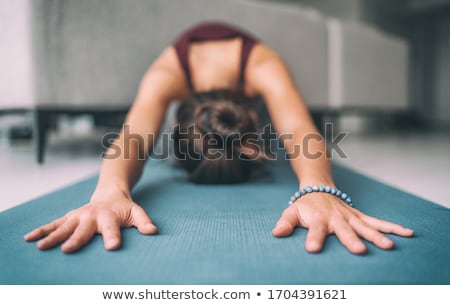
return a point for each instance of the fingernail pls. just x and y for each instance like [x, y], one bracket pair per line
[155, 228]
[410, 231]
[111, 243]
[40, 244]
[278, 225]
[385, 239]
[67, 246]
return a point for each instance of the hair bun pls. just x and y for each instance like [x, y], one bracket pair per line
[220, 117]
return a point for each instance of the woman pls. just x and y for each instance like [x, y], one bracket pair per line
[234, 68]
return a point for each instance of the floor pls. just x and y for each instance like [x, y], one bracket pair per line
[418, 163]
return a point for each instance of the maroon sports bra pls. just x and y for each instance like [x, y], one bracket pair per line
[213, 31]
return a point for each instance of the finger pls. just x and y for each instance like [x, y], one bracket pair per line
[370, 234]
[349, 238]
[287, 223]
[386, 226]
[44, 230]
[142, 221]
[59, 235]
[110, 230]
[283, 228]
[315, 238]
[82, 234]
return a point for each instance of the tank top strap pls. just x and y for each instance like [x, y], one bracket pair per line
[182, 50]
[247, 46]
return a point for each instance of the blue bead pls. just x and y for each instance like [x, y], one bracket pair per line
[290, 202]
[303, 192]
[297, 194]
[348, 200]
[321, 188]
[344, 196]
[333, 191]
[308, 189]
[338, 193]
[327, 189]
[315, 188]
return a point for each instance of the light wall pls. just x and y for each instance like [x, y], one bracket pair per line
[16, 85]
[426, 25]
[441, 89]
[341, 9]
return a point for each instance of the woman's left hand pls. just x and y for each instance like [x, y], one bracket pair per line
[324, 214]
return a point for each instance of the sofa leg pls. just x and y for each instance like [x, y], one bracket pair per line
[331, 122]
[318, 118]
[41, 123]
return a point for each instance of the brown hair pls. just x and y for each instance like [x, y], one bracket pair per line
[215, 139]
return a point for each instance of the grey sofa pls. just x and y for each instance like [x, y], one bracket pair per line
[88, 56]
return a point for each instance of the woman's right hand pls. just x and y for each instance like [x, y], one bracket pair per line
[104, 215]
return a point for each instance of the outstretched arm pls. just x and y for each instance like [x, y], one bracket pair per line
[111, 206]
[321, 213]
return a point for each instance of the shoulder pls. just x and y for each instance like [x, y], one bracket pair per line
[166, 75]
[266, 71]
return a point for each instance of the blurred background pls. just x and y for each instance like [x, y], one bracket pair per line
[378, 70]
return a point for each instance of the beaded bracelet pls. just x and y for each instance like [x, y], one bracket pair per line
[324, 189]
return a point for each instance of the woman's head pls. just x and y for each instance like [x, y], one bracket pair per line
[215, 140]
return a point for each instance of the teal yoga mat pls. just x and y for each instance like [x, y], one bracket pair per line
[222, 235]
